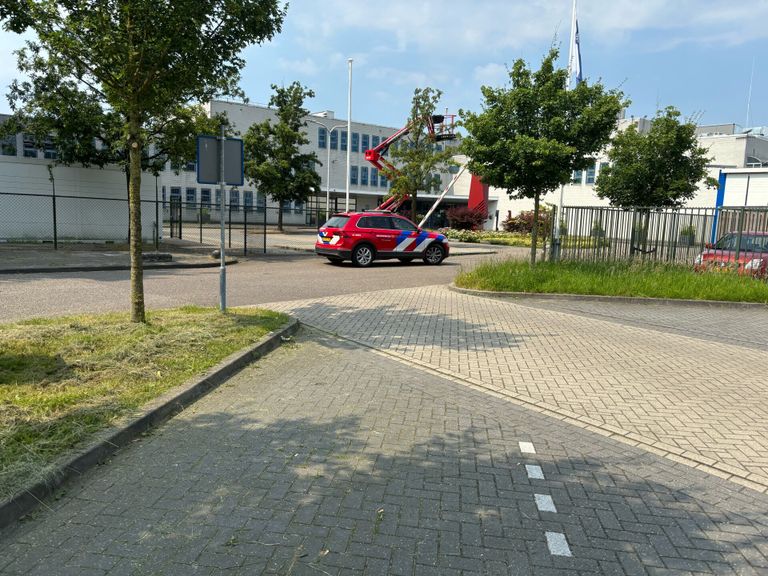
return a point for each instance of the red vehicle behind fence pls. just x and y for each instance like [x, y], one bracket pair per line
[749, 257]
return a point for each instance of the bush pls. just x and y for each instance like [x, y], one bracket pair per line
[463, 218]
[523, 222]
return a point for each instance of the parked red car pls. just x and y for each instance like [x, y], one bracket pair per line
[363, 237]
[752, 255]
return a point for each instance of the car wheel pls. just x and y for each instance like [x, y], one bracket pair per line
[406, 260]
[335, 260]
[434, 254]
[362, 255]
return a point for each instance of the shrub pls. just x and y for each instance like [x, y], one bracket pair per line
[523, 222]
[464, 218]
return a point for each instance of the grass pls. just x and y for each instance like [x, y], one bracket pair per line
[63, 379]
[490, 237]
[614, 279]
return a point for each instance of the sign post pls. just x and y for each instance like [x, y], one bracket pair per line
[220, 161]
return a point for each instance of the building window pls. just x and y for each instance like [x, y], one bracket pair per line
[8, 146]
[191, 197]
[190, 166]
[591, 175]
[261, 202]
[353, 174]
[218, 198]
[30, 150]
[248, 201]
[355, 142]
[374, 177]
[344, 140]
[205, 197]
[382, 180]
[175, 194]
[363, 175]
[321, 138]
[163, 191]
[576, 177]
[366, 143]
[234, 200]
[49, 150]
[298, 207]
[374, 141]
[334, 140]
[285, 206]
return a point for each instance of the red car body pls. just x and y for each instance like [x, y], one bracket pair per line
[752, 259]
[363, 237]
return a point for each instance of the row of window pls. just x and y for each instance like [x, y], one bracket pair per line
[578, 176]
[29, 150]
[360, 142]
[376, 178]
[191, 200]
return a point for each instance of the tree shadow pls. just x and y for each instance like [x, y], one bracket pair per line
[388, 328]
[33, 369]
[391, 479]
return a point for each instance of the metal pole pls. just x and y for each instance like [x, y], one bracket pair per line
[328, 178]
[349, 133]
[55, 226]
[157, 219]
[223, 266]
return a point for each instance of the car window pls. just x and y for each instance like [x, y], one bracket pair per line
[727, 242]
[375, 222]
[337, 222]
[403, 224]
[754, 243]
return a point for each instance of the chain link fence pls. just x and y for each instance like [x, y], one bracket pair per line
[54, 219]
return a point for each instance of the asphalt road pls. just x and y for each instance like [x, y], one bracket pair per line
[269, 279]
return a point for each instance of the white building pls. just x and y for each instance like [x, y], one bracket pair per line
[91, 203]
[328, 139]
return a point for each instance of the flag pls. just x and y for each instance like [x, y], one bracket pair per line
[576, 55]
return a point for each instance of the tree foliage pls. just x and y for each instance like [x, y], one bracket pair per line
[142, 60]
[532, 135]
[273, 158]
[416, 155]
[662, 167]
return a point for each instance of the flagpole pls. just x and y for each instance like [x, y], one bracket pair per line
[571, 45]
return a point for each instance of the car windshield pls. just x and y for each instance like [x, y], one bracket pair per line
[336, 222]
[749, 242]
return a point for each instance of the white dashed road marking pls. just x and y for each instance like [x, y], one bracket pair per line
[545, 503]
[527, 448]
[534, 472]
[557, 544]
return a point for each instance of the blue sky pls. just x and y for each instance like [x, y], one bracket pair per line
[696, 55]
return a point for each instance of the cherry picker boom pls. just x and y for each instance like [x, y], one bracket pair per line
[440, 128]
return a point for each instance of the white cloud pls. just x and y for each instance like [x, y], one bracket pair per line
[491, 74]
[307, 66]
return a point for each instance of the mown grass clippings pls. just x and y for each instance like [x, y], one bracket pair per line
[63, 379]
[644, 280]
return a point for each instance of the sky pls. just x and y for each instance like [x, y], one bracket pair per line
[697, 55]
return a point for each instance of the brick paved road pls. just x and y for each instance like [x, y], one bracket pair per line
[697, 399]
[327, 458]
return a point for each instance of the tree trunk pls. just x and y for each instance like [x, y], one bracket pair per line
[535, 228]
[134, 210]
[280, 215]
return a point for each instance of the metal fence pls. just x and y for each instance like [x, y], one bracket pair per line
[663, 235]
[55, 219]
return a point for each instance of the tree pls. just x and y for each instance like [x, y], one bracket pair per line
[142, 60]
[530, 137]
[273, 159]
[416, 155]
[660, 168]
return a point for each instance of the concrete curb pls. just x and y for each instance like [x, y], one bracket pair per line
[155, 413]
[595, 298]
[56, 269]
[451, 255]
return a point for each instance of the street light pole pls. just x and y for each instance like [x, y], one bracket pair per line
[349, 133]
[328, 161]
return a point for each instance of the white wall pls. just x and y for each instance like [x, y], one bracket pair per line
[90, 205]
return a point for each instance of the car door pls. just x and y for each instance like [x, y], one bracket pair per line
[385, 234]
[409, 240]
